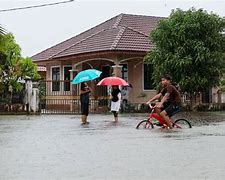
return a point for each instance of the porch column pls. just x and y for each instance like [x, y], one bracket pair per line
[117, 69]
[73, 73]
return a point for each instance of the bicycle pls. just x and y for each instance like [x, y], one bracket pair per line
[153, 119]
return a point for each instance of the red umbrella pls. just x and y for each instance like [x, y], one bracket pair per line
[112, 81]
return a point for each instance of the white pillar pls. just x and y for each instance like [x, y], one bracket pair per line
[34, 103]
[29, 86]
[117, 70]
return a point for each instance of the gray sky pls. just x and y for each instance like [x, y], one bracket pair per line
[40, 28]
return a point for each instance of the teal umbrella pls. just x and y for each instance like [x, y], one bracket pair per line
[86, 75]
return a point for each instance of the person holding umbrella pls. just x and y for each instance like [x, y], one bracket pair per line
[115, 82]
[115, 101]
[84, 100]
[82, 77]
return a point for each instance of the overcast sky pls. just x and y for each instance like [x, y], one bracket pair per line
[37, 29]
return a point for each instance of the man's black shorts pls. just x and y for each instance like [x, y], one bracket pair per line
[85, 108]
[171, 109]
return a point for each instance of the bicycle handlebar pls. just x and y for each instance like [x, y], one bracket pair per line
[150, 105]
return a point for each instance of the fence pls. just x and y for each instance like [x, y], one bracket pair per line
[61, 97]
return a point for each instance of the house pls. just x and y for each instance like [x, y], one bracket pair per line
[115, 47]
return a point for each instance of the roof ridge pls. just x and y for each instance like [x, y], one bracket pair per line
[142, 15]
[140, 32]
[119, 18]
[119, 35]
[77, 42]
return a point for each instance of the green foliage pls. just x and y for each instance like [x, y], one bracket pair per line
[2, 33]
[189, 46]
[28, 69]
[222, 85]
[9, 65]
[13, 66]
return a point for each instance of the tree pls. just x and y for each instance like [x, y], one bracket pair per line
[13, 66]
[190, 46]
[28, 69]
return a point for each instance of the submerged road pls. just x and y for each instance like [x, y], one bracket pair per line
[58, 147]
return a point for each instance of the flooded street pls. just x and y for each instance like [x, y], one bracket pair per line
[58, 147]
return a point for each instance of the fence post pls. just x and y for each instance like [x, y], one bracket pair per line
[28, 94]
[34, 104]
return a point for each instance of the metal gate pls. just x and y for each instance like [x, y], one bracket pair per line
[60, 97]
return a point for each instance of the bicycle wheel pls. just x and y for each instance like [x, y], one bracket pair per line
[182, 124]
[145, 124]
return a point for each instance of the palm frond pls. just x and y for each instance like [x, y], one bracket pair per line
[2, 31]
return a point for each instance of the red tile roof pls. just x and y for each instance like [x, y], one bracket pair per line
[123, 32]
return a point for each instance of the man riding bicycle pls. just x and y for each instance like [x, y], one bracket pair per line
[170, 103]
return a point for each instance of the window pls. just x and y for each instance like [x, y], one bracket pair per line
[67, 78]
[55, 79]
[124, 72]
[148, 82]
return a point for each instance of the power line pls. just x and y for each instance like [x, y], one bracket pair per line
[35, 6]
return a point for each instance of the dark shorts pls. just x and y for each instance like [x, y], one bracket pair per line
[85, 108]
[171, 109]
[115, 114]
[84, 100]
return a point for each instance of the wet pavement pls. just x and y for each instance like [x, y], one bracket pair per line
[58, 147]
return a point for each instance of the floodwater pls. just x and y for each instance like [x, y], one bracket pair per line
[58, 147]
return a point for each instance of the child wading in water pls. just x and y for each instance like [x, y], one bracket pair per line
[115, 101]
